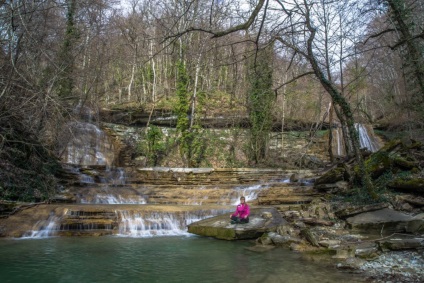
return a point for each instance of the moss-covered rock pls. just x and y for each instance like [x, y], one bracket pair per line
[413, 185]
[332, 176]
[377, 164]
[404, 163]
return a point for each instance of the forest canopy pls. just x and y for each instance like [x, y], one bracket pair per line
[306, 60]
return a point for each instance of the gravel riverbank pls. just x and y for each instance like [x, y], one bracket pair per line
[402, 266]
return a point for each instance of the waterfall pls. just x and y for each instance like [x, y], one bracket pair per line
[114, 199]
[116, 176]
[121, 222]
[367, 138]
[338, 142]
[45, 228]
[86, 145]
[340, 148]
[136, 224]
[250, 193]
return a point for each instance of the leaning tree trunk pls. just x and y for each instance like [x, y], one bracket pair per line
[346, 111]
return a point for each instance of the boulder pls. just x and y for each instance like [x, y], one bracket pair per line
[329, 243]
[400, 242]
[413, 186]
[283, 241]
[384, 221]
[416, 225]
[332, 176]
[367, 250]
[339, 186]
[345, 212]
[344, 252]
[220, 227]
[351, 263]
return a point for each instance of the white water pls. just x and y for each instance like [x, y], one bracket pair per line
[88, 145]
[86, 179]
[250, 193]
[156, 224]
[340, 149]
[114, 199]
[366, 139]
[45, 228]
[132, 224]
[118, 177]
[366, 135]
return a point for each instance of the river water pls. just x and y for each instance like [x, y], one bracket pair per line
[156, 259]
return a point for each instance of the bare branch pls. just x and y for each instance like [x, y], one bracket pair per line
[293, 80]
[420, 35]
[243, 26]
[378, 35]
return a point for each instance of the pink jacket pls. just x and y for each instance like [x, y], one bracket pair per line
[242, 211]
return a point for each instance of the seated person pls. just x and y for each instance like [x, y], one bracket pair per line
[241, 215]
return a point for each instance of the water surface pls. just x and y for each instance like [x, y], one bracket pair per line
[157, 259]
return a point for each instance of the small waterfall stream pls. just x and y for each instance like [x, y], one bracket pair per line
[86, 144]
[249, 192]
[367, 139]
[45, 228]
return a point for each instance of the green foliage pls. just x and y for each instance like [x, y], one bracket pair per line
[155, 146]
[66, 82]
[260, 101]
[182, 107]
[167, 103]
[192, 145]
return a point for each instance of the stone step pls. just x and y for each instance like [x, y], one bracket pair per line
[287, 195]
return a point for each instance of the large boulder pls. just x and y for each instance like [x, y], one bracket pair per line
[262, 220]
[380, 222]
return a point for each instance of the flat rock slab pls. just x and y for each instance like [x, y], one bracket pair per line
[401, 242]
[383, 221]
[262, 220]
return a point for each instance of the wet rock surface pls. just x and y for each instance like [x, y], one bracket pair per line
[262, 220]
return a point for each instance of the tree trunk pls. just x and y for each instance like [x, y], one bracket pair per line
[196, 80]
[346, 111]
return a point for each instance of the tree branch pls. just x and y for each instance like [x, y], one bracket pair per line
[243, 26]
[292, 80]
[420, 35]
[378, 34]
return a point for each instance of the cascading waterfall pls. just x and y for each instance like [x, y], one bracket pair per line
[115, 199]
[119, 177]
[136, 224]
[107, 192]
[366, 138]
[338, 142]
[45, 228]
[249, 192]
[87, 145]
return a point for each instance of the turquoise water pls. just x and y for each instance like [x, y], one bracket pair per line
[159, 259]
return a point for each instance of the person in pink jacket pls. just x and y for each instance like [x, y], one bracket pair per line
[241, 215]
